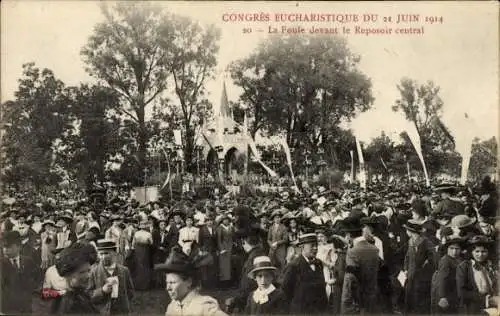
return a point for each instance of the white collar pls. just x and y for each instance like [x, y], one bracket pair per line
[262, 296]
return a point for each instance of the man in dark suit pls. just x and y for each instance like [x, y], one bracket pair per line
[110, 283]
[18, 280]
[303, 280]
[208, 243]
[365, 255]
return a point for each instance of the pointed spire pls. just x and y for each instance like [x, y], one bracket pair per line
[224, 109]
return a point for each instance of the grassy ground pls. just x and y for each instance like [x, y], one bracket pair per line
[152, 302]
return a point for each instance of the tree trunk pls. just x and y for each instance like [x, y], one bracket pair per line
[142, 141]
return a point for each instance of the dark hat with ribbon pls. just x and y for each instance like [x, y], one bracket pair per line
[413, 226]
[261, 263]
[106, 244]
[351, 224]
[446, 188]
[74, 257]
[179, 262]
[310, 238]
[480, 240]
[454, 240]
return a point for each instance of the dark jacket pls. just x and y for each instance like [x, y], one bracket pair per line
[351, 292]
[77, 301]
[17, 285]
[305, 288]
[470, 301]
[277, 305]
[247, 285]
[419, 263]
[108, 305]
[207, 241]
[445, 284]
[365, 255]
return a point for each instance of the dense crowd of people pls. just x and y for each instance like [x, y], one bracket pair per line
[386, 249]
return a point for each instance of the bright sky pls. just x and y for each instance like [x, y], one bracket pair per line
[460, 55]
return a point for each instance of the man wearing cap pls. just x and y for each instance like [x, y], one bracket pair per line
[18, 278]
[303, 279]
[110, 283]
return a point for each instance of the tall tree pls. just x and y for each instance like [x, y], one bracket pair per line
[193, 61]
[378, 154]
[34, 124]
[129, 52]
[302, 87]
[483, 158]
[423, 107]
[97, 138]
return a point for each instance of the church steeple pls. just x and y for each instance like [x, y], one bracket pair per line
[225, 109]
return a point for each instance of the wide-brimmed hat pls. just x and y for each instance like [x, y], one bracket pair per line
[48, 222]
[65, 216]
[179, 262]
[462, 221]
[369, 221]
[261, 263]
[350, 224]
[453, 239]
[413, 226]
[445, 188]
[480, 240]
[106, 244]
[310, 238]
[288, 217]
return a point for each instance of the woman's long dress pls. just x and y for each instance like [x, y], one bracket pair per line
[225, 247]
[142, 244]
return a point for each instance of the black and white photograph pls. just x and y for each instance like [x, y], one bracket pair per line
[249, 158]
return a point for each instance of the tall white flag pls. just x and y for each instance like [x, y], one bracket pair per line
[412, 132]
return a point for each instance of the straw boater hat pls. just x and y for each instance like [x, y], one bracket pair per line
[311, 238]
[106, 244]
[261, 263]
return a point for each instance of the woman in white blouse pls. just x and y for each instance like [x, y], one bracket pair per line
[188, 235]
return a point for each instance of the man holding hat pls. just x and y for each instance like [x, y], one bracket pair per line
[110, 283]
[303, 280]
[18, 276]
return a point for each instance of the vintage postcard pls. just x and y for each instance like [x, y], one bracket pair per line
[227, 157]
